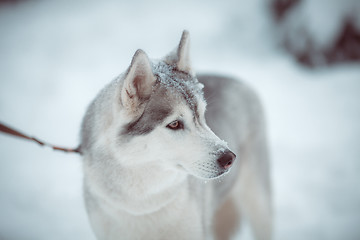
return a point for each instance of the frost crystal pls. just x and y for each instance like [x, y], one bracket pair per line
[178, 81]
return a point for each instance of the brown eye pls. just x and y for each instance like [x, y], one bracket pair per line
[175, 125]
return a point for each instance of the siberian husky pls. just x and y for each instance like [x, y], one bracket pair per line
[156, 164]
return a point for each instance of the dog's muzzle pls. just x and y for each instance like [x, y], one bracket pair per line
[226, 160]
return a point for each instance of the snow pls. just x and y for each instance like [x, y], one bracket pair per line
[175, 82]
[318, 22]
[55, 56]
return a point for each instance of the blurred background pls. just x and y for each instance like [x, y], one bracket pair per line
[301, 56]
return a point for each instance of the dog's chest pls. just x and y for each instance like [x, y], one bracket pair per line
[172, 224]
[181, 219]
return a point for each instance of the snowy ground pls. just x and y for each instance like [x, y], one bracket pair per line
[55, 56]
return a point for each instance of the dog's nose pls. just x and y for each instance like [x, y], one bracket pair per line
[226, 159]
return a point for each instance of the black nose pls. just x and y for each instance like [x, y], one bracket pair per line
[226, 159]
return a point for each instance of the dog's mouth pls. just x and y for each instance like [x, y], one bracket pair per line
[181, 168]
[204, 172]
[219, 174]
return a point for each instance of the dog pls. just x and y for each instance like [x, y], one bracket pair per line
[156, 164]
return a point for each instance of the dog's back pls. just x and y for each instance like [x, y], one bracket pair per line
[235, 114]
[150, 156]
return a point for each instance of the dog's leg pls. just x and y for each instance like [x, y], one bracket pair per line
[256, 205]
[227, 220]
[254, 187]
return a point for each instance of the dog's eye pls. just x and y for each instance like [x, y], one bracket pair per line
[175, 125]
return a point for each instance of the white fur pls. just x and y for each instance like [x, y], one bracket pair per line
[151, 186]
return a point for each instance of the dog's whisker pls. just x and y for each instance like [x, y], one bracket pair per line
[148, 152]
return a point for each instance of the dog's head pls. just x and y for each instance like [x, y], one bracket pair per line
[162, 109]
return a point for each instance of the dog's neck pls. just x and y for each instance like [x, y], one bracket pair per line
[135, 192]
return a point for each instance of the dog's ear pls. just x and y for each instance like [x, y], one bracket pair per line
[138, 82]
[181, 55]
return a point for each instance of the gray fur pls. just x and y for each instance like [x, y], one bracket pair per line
[220, 91]
[170, 82]
[179, 82]
[144, 181]
[156, 110]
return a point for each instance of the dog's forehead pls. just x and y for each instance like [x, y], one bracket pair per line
[179, 84]
[173, 88]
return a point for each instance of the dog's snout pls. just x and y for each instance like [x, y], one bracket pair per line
[226, 159]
